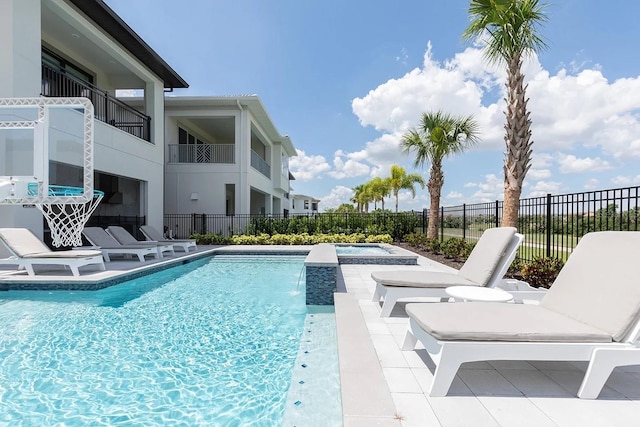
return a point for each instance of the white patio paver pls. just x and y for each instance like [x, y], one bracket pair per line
[496, 393]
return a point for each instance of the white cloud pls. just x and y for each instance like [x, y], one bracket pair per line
[542, 188]
[339, 195]
[308, 167]
[592, 184]
[454, 196]
[488, 191]
[569, 110]
[347, 169]
[623, 181]
[568, 163]
[538, 173]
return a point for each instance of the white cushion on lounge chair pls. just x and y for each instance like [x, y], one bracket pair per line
[28, 251]
[596, 287]
[591, 312]
[154, 235]
[485, 266]
[482, 321]
[125, 238]
[109, 245]
[421, 279]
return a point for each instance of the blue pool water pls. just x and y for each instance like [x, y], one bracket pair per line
[211, 343]
[360, 250]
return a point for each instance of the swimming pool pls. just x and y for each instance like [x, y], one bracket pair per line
[212, 342]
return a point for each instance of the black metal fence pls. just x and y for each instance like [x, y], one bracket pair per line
[552, 224]
[395, 224]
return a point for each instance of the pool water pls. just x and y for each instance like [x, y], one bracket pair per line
[360, 250]
[210, 343]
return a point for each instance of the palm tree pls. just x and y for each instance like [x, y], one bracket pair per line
[400, 180]
[362, 197]
[438, 136]
[511, 28]
[379, 189]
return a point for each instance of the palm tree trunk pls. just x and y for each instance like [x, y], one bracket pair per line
[396, 194]
[436, 181]
[517, 138]
[510, 207]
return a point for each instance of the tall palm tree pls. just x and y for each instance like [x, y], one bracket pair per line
[438, 136]
[379, 189]
[511, 29]
[400, 180]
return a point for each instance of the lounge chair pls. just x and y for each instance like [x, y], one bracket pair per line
[590, 313]
[485, 266]
[153, 235]
[124, 237]
[27, 250]
[110, 246]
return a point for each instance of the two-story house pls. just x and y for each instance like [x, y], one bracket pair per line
[70, 48]
[303, 205]
[225, 156]
[153, 155]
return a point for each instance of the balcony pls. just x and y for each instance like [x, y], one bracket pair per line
[260, 165]
[107, 108]
[202, 153]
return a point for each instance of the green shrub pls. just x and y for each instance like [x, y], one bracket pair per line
[541, 272]
[454, 248]
[210, 239]
[379, 238]
[433, 245]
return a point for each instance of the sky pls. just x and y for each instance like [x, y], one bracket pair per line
[346, 79]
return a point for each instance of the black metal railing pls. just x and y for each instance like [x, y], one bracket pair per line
[552, 224]
[107, 108]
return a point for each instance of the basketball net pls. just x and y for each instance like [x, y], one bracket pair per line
[66, 220]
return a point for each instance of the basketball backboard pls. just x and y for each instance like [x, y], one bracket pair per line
[45, 142]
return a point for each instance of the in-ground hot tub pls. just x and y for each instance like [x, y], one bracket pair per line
[374, 253]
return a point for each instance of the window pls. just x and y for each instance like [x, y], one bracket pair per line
[306, 204]
[285, 165]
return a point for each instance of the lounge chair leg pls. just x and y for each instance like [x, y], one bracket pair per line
[141, 257]
[376, 294]
[29, 269]
[444, 375]
[387, 305]
[74, 270]
[409, 342]
[603, 361]
[106, 257]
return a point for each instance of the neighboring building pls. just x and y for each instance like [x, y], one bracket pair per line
[224, 156]
[82, 48]
[152, 155]
[306, 205]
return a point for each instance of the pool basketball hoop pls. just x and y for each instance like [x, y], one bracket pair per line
[46, 147]
[66, 220]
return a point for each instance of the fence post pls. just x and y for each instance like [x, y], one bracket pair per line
[442, 223]
[497, 210]
[464, 220]
[549, 221]
[424, 221]
[193, 223]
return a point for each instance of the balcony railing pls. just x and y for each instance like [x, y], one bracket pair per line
[107, 108]
[260, 165]
[202, 153]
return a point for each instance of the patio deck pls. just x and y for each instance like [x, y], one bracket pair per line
[496, 393]
[384, 386]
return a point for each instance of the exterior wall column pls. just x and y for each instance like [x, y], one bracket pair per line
[154, 107]
[243, 144]
[20, 77]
